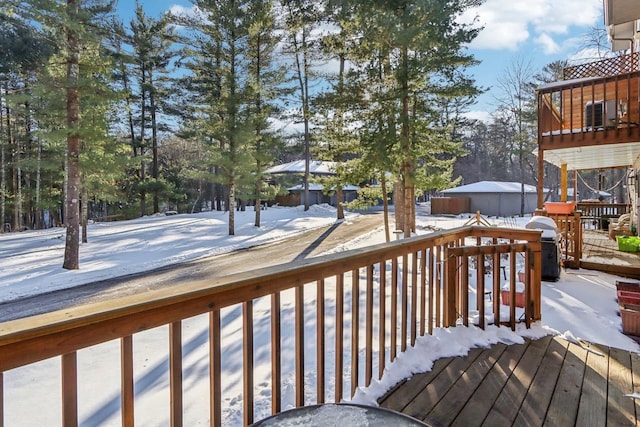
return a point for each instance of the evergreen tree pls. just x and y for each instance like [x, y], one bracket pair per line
[74, 26]
[23, 51]
[302, 18]
[152, 41]
[264, 89]
[219, 66]
[411, 52]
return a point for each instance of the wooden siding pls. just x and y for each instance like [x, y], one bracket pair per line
[620, 90]
[562, 119]
[548, 381]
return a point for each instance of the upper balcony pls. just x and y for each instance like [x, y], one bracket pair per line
[592, 118]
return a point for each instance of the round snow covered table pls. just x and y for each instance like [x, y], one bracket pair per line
[342, 415]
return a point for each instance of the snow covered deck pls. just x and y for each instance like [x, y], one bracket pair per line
[548, 381]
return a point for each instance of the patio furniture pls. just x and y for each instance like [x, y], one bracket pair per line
[620, 227]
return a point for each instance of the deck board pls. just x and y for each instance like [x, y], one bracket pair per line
[469, 381]
[534, 407]
[543, 382]
[593, 399]
[479, 405]
[563, 409]
[440, 385]
[505, 408]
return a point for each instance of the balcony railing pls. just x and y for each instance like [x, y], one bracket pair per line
[382, 298]
[598, 103]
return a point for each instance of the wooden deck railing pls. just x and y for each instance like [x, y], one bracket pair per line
[570, 227]
[599, 214]
[404, 289]
[589, 111]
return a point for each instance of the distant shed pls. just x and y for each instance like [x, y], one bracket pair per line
[496, 198]
[450, 205]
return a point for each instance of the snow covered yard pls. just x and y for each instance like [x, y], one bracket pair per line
[581, 304]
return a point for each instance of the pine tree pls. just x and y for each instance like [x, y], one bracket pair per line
[152, 41]
[265, 82]
[219, 79]
[73, 26]
[301, 18]
[411, 50]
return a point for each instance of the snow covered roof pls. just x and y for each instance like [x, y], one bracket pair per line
[316, 167]
[320, 187]
[491, 187]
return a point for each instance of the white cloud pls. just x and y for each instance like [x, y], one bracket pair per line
[549, 46]
[483, 116]
[507, 25]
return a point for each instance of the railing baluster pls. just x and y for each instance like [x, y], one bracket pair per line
[464, 291]
[512, 290]
[355, 329]
[368, 370]
[414, 297]
[70, 389]
[247, 360]
[496, 269]
[431, 289]
[439, 281]
[175, 372]
[215, 380]
[320, 347]
[404, 303]
[423, 291]
[276, 355]
[127, 397]
[449, 297]
[480, 289]
[527, 289]
[339, 336]
[382, 330]
[299, 344]
[394, 308]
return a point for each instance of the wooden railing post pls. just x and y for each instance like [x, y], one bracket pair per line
[70, 389]
[126, 357]
[450, 298]
[175, 372]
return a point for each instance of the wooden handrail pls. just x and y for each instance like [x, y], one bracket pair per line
[415, 274]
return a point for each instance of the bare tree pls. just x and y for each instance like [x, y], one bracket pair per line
[517, 107]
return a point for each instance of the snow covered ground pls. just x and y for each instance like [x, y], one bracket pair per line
[582, 304]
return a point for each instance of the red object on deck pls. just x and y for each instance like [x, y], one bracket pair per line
[560, 207]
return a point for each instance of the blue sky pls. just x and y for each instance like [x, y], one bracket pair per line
[539, 31]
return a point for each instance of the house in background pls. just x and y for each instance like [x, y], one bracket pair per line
[590, 120]
[295, 171]
[316, 195]
[493, 198]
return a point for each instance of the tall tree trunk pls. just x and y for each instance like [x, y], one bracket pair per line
[405, 147]
[303, 82]
[385, 205]
[85, 213]
[72, 244]
[339, 192]
[3, 170]
[39, 212]
[258, 191]
[154, 144]
[29, 211]
[16, 176]
[232, 203]
[143, 125]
